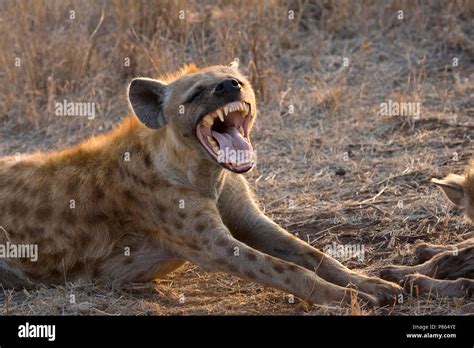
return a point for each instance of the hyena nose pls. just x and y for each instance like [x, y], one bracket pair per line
[227, 86]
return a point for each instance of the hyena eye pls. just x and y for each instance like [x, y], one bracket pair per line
[196, 94]
[240, 82]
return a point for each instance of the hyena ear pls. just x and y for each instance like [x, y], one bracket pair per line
[452, 186]
[146, 97]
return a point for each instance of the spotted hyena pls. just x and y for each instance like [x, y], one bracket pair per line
[164, 187]
[445, 270]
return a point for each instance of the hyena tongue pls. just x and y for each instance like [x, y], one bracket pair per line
[233, 140]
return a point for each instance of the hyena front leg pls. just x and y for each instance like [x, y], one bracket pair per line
[425, 251]
[212, 247]
[447, 265]
[421, 284]
[249, 225]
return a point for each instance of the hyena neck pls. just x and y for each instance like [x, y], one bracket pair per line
[180, 165]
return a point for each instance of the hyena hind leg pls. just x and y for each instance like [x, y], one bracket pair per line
[446, 265]
[421, 284]
[11, 277]
[425, 251]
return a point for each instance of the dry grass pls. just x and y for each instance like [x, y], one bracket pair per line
[317, 117]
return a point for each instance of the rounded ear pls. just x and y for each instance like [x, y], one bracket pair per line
[146, 97]
[452, 187]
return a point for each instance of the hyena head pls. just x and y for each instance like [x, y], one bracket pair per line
[210, 112]
[460, 190]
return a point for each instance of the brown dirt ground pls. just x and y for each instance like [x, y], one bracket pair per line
[390, 159]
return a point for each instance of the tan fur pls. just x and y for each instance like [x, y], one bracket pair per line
[137, 205]
[441, 262]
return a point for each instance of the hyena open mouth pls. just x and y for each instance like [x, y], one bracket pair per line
[224, 134]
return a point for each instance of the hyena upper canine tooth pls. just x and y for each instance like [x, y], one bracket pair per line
[220, 113]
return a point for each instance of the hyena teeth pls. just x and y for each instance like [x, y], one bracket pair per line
[220, 113]
[241, 130]
[213, 143]
[208, 121]
[226, 110]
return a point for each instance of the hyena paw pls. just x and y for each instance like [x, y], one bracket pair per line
[369, 300]
[421, 284]
[384, 291]
[395, 273]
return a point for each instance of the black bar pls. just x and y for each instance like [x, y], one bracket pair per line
[260, 330]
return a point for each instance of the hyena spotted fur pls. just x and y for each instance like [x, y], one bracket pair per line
[155, 185]
[444, 270]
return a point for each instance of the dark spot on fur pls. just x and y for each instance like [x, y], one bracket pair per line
[160, 207]
[142, 276]
[131, 197]
[182, 215]
[200, 227]
[193, 246]
[34, 233]
[43, 213]
[120, 217]
[147, 160]
[287, 280]
[278, 268]
[96, 218]
[232, 268]
[98, 193]
[35, 192]
[71, 187]
[18, 208]
[222, 242]
[197, 214]
[178, 224]
[250, 256]
[250, 275]
[83, 240]
[128, 260]
[160, 216]
[69, 216]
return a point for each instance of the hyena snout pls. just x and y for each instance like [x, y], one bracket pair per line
[228, 86]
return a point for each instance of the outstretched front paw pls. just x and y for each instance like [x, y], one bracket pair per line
[385, 291]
